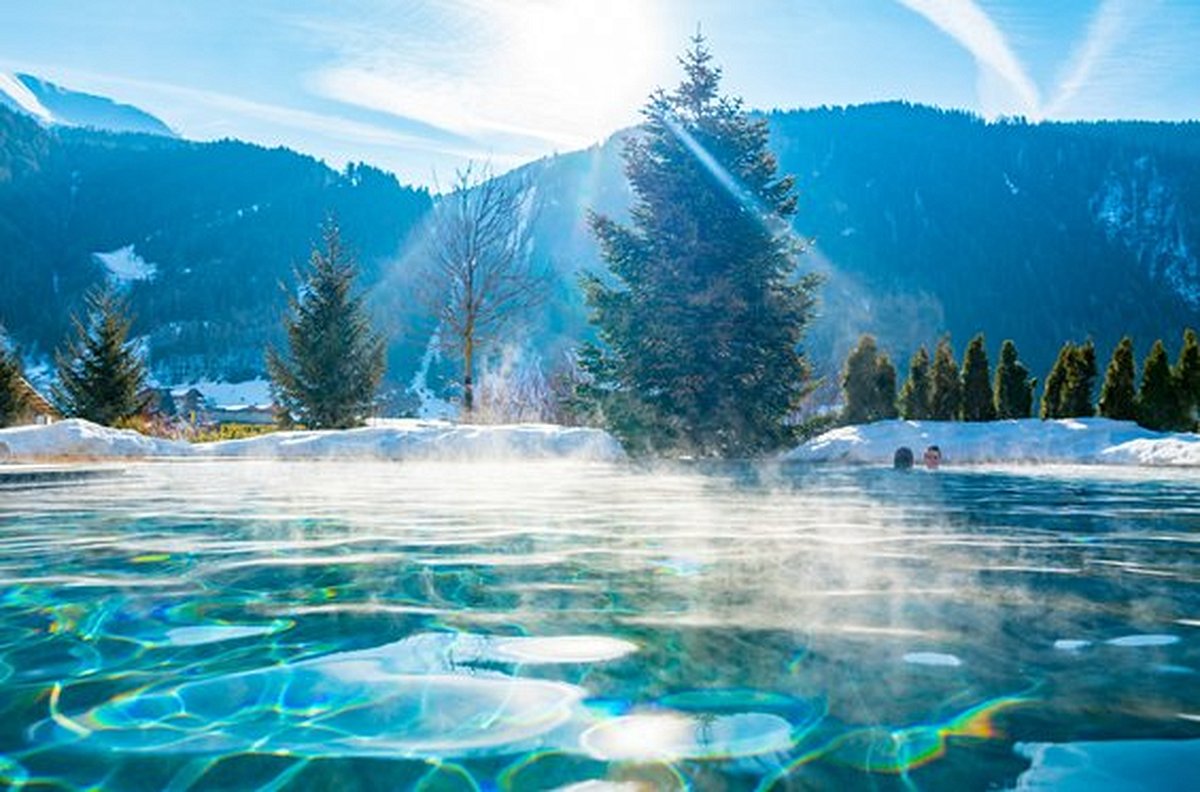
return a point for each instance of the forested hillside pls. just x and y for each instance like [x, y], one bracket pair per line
[220, 225]
[923, 221]
[927, 221]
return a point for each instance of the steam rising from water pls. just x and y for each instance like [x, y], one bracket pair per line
[529, 621]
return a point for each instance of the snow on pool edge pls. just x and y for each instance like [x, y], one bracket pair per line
[398, 440]
[1097, 441]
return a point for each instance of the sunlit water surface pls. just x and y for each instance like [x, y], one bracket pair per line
[540, 626]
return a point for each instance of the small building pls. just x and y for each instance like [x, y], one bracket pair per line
[190, 403]
[199, 409]
[41, 411]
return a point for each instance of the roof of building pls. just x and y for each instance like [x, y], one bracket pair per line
[37, 402]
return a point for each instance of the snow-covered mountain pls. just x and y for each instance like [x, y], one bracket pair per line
[922, 221]
[53, 104]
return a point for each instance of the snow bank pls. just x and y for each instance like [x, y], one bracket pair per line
[416, 439]
[1069, 441]
[78, 438]
[396, 440]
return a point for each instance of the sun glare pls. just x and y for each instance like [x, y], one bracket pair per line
[585, 66]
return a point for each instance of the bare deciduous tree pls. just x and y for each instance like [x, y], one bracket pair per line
[481, 276]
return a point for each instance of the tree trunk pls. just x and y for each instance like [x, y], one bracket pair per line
[468, 387]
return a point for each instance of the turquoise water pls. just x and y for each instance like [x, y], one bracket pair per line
[541, 626]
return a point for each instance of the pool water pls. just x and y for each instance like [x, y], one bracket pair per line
[202, 625]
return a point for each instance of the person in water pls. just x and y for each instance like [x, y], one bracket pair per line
[903, 458]
[933, 457]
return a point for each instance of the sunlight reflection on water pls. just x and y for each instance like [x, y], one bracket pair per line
[548, 624]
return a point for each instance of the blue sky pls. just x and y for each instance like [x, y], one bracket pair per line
[421, 86]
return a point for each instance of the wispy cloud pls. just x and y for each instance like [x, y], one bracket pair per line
[971, 27]
[528, 76]
[435, 102]
[1109, 25]
[221, 112]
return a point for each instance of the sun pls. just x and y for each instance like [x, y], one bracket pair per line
[584, 67]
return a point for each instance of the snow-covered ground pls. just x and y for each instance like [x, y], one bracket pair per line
[250, 393]
[1070, 442]
[397, 440]
[19, 95]
[124, 265]
[78, 438]
[1091, 441]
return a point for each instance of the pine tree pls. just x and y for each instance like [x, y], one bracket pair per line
[1080, 385]
[14, 405]
[1187, 380]
[1014, 388]
[1056, 382]
[100, 373]
[335, 359]
[914, 396]
[860, 383]
[1157, 405]
[1118, 393]
[978, 400]
[945, 394]
[885, 389]
[701, 315]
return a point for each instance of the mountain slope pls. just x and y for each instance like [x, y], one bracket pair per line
[927, 222]
[220, 225]
[53, 104]
[923, 221]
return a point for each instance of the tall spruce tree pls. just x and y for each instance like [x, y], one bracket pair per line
[1079, 389]
[701, 315]
[1158, 403]
[978, 400]
[1187, 380]
[868, 384]
[914, 396]
[1014, 388]
[14, 405]
[335, 360]
[1118, 394]
[859, 383]
[101, 374]
[1056, 383]
[885, 389]
[945, 393]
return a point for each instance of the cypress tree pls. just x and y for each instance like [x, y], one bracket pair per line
[700, 315]
[1118, 393]
[1187, 380]
[860, 384]
[1014, 388]
[914, 396]
[885, 389]
[335, 359]
[1157, 406]
[978, 400]
[1056, 381]
[100, 373]
[13, 403]
[945, 393]
[1080, 385]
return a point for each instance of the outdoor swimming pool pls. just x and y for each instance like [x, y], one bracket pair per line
[204, 625]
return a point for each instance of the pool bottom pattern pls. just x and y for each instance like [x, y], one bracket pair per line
[197, 627]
